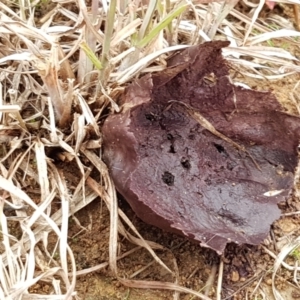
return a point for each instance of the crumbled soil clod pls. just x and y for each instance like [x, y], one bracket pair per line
[183, 178]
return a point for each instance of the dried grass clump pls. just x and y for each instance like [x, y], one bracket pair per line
[62, 64]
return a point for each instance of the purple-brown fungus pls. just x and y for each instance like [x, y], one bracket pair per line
[195, 155]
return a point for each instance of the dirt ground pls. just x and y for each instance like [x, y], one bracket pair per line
[247, 270]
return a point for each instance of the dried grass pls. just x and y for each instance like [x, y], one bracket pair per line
[54, 71]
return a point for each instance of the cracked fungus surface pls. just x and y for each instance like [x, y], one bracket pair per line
[179, 175]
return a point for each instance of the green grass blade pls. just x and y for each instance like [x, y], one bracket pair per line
[91, 55]
[161, 25]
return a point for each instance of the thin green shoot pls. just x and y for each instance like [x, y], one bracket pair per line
[295, 254]
[161, 25]
[270, 43]
[285, 46]
[274, 26]
[91, 55]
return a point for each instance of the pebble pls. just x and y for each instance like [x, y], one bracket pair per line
[235, 276]
[269, 281]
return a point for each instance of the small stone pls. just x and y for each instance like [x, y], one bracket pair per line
[235, 276]
[269, 281]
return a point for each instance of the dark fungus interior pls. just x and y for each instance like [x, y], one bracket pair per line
[180, 176]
